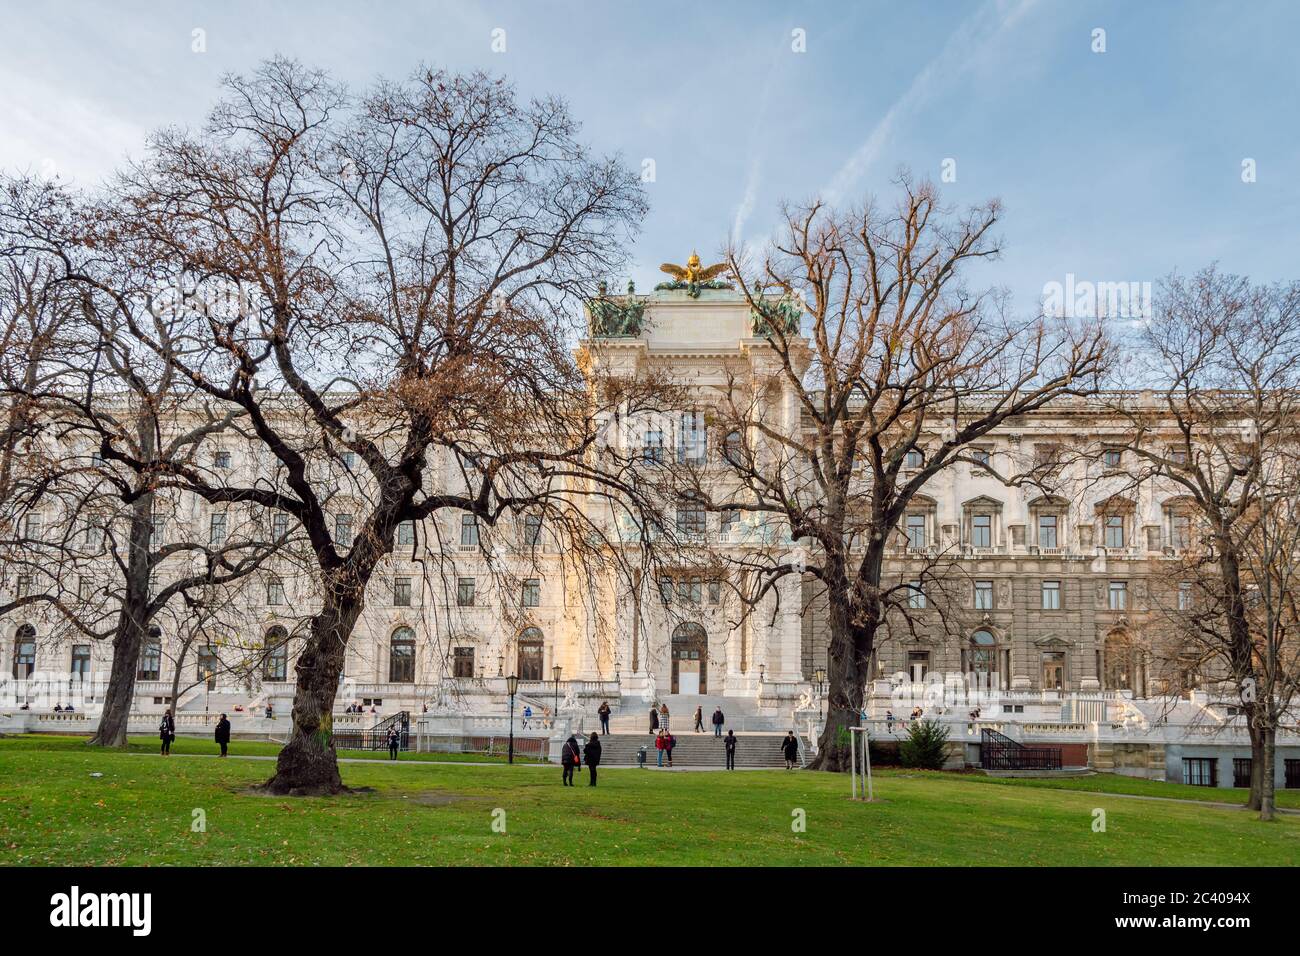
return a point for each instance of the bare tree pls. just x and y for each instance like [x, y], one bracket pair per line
[381, 280]
[1217, 435]
[883, 368]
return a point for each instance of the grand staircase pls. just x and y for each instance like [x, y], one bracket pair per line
[693, 750]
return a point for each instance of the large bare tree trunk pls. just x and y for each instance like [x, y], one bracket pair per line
[132, 625]
[308, 765]
[1268, 753]
[850, 649]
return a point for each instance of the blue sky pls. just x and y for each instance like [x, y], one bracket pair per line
[1114, 166]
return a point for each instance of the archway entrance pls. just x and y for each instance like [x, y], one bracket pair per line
[690, 660]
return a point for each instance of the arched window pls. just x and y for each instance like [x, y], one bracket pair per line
[983, 653]
[24, 652]
[401, 657]
[1119, 661]
[733, 448]
[530, 654]
[151, 656]
[276, 666]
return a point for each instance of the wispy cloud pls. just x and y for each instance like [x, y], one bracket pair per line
[974, 41]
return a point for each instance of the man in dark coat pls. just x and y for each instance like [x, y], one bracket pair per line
[718, 721]
[394, 741]
[223, 733]
[591, 753]
[569, 759]
[790, 748]
[654, 718]
[603, 712]
[167, 733]
[729, 742]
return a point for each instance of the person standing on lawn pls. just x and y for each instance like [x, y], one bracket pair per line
[729, 742]
[603, 713]
[790, 748]
[569, 760]
[592, 754]
[222, 735]
[167, 733]
[670, 743]
[718, 721]
[661, 744]
[394, 740]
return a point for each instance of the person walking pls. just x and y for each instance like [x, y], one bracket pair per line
[394, 740]
[669, 744]
[654, 719]
[603, 712]
[661, 745]
[729, 742]
[528, 715]
[569, 759]
[663, 716]
[718, 721]
[699, 719]
[167, 733]
[592, 754]
[222, 735]
[790, 748]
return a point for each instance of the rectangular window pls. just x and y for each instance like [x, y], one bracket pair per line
[532, 592]
[1112, 457]
[1047, 531]
[653, 449]
[401, 592]
[981, 456]
[275, 591]
[1115, 531]
[914, 458]
[1200, 772]
[464, 592]
[468, 531]
[983, 595]
[730, 521]
[1291, 774]
[691, 518]
[915, 595]
[691, 442]
[462, 662]
[1180, 531]
[80, 661]
[221, 460]
[666, 590]
[32, 526]
[1118, 595]
[1185, 595]
[1051, 595]
[150, 660]
[916, 531]
[532, 530]
[1053, 670]
[715, 592]
[279, 525]
[689, 590]
[1241, 772]
[981, 531]
[206, 665]
[406, 533]
[217, 530]
[343, 530]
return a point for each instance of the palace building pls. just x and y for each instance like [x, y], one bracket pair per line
[1047, 598]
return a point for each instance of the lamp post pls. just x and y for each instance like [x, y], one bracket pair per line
[501, 663]
[207, 691]
[555, 712]
[819, 676]
[512, 685]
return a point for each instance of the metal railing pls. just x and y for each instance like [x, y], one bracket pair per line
[998, 752]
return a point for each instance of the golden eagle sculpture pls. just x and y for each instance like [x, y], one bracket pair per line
[692, 274]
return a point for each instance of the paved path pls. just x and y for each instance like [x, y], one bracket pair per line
[459, 763]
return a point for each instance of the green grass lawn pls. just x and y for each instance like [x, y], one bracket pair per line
[53, 812]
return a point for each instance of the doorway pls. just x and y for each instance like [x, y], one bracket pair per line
[690, 660]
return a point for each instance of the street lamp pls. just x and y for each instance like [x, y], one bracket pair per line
[512, 685]
[207, 691]
[555, 672]
[617, 674]
[819, 676]
[501, 663]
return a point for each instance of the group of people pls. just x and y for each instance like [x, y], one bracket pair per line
[545, 721]
[60, 709]
[356, 708]
[572, 756]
